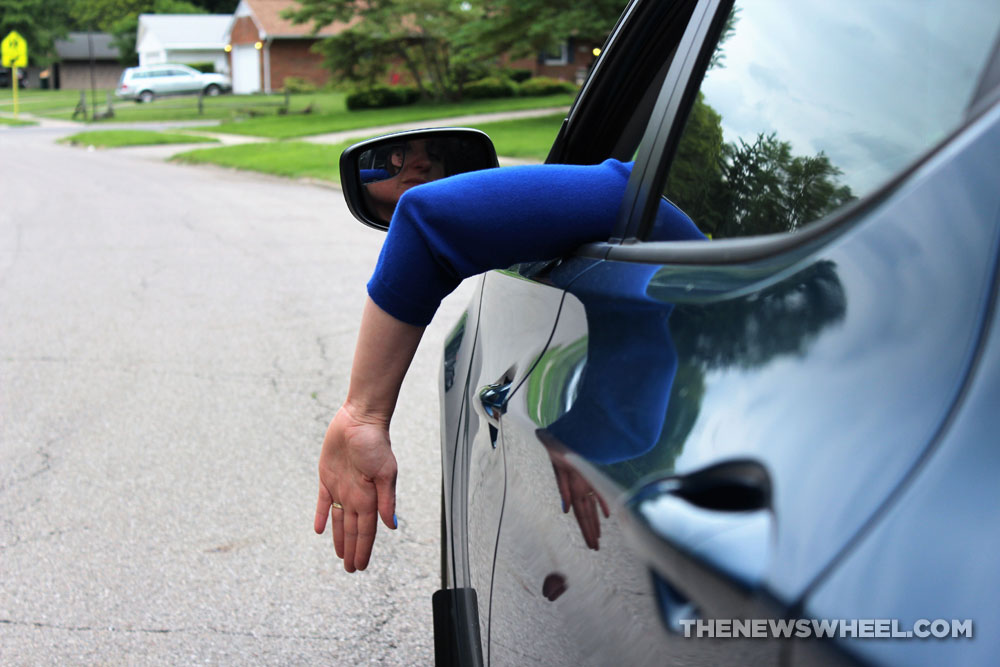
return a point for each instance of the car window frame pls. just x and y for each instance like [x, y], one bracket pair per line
[659, 146]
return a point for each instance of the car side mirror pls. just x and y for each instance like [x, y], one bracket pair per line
[375, 173]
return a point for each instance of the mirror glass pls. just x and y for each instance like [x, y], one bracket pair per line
[387, 167]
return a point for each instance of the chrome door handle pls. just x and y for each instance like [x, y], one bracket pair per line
[493, 398]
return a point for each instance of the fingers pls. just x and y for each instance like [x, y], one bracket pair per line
[357, 533]
[338, 531]
[350, 528]
[367, 524]
[604, 506]
[322, 509]
[565, 493]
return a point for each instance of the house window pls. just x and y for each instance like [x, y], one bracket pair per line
[558, 55]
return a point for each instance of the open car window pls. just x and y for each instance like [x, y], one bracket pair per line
[795, 118]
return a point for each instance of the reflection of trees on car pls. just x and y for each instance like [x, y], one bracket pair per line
[747, 189]
[745, 333]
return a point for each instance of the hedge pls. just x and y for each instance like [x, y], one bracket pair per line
[205, 68]
[491, 86]
[380, 97]
[545, 85]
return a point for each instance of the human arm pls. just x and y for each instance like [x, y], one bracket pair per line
[357, 468]
[440, 233]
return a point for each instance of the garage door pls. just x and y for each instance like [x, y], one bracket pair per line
[246, 69]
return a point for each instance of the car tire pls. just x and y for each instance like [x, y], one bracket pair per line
[212, 90]
[146, 96]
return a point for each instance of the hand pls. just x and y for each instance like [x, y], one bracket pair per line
[357, 469]
[577, 493]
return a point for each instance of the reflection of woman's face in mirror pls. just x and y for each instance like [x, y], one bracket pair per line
[413, 163]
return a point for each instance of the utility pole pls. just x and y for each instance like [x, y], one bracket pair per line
[93, 87]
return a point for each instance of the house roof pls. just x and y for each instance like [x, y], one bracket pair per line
[186, 31]
[267, 16]
[76, 46]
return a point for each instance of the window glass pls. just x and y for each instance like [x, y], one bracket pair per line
[809, 104]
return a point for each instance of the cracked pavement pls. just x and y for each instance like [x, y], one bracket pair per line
[174, 340]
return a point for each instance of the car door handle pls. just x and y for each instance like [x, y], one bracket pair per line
[493, 399]
[717, 525]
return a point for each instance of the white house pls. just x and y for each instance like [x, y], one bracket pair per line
[183, 38]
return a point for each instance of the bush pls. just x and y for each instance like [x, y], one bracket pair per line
[297, 84]
[491, 86]
[546, 85]
[519, 75]
[380, 97]
[204, 68]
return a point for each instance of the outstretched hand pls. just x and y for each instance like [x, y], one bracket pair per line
[357, 482]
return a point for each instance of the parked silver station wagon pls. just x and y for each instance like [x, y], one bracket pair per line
[148, 82]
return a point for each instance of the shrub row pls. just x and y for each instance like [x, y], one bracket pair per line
[381, 97]
[502, 87]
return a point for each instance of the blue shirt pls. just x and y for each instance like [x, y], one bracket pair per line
[448, 230]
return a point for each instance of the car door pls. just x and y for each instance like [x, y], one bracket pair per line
[722, 418]
[182, 80]
[499, 341]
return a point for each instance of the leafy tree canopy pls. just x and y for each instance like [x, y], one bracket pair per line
[445, 43]
[40, 22]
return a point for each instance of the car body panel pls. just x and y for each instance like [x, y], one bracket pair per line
[746, 414]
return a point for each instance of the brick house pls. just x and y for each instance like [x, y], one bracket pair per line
[571, 61]
[265, 49]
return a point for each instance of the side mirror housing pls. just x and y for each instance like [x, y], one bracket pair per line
[375, 173]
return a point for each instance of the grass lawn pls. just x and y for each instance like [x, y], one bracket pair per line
[20, 122]
[61, 104]
[119, 138]
[257, 115]
[294, 159]
[528, 138]
[297, 125]
[40, 102]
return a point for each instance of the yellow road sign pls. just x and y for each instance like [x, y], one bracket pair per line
[14, 50]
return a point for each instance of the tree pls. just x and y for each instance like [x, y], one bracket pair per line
[418, 35]
[524, 27]
[748, 189]
[444, 43]
[39, 22]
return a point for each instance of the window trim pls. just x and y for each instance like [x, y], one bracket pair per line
[787, 247]
[644, 189]
[563, 58]
[659, 142]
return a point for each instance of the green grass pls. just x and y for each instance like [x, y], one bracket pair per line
[119, 138]
[19, 122]
[60, 104]
[297, 125]
[293, 159]
[523, 138]
[257, 115]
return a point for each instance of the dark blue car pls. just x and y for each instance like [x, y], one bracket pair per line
[780, 445]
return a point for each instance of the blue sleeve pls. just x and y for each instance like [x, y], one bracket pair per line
[448, 230]
[370, 175]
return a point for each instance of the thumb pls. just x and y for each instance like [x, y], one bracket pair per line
[323, 503]
[385, 487]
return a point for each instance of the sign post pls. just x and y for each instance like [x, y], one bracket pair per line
[14, 54]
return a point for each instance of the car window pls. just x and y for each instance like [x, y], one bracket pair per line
[807, 105]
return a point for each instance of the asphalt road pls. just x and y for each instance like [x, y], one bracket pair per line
[173, 342]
